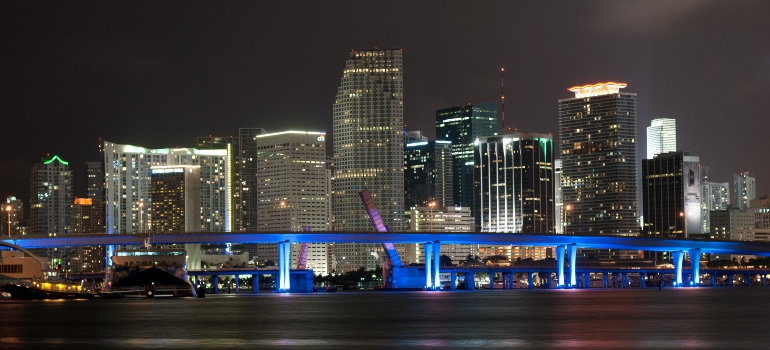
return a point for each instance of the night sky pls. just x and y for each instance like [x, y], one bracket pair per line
[159, 74]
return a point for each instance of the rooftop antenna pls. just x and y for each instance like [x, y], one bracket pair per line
[502, 93]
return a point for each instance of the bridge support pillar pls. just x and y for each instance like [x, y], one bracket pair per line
[560, 265]
[572, 254]
[764, 279]
[730, 279]
[587, 280]
[491, 280]
[283, 281]
[436, 265]
[529, 280]
[237, 283]
[643, 280]
[428, 249]
[453, 281]
[215, 283]
[695, 265]
[746, 279]
[678, 257]
[470, 281]
[255, 283]
[605, 278]
[713, 278]
[624, 280]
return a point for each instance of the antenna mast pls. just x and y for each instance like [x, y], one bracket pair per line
[502, 93]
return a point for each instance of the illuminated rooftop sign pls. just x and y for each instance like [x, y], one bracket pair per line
[49, 161]
[597, 89]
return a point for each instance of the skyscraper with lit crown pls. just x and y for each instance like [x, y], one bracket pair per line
[597, 135]
[368, 148]
[661, 137]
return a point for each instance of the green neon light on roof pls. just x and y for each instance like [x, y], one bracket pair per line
[55, 157]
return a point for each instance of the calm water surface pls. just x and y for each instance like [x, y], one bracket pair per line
[715, 318]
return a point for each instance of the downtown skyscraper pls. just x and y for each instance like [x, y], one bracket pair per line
[661, 137]
[50, 197]
[461, 126]
[597, 133]
[744, 189]
[368, 149]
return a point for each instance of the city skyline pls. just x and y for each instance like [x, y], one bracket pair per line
[76, 83]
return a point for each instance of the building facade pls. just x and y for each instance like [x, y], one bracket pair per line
[461, 126]
[671, 195]
[247, 143]
[233, 159]
[176, 199]
[428, 173]
[87, 217]
[368, 123]
[661, 137]
[732, 224]
[514, 181]
[440, 219]
[50, 197]
[597, 133]
[13, 215]
[128, 171]
[744, 189]
[714, 196]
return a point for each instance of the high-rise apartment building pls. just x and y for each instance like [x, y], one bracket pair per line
[95, 180]
[661, 137]
[514, 181]
[232, 146]
[428, 173]
[714, 196]
[87, 216]
[176, 199]
[671, 195]
[368, 149]
[744, 189]
[247, 143]
[128, 172]
[597, 132]
[50, 197]
[461, 126]
[558, 219]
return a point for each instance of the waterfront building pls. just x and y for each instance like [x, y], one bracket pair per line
[428, 173]
[671, 195]
[714, 196]
[461, 126]
[661, 137]
[597, 133]
[50, 197]
[292, 191]
[87, 217]
[514, 181]
[128, 173]
[368, 122]
[233, 159]
[176, 199]
[732, 224]
[440, 219]
[744, 189]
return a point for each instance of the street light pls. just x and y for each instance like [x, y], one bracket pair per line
[566, 209]
[8, 209]
[684, 217]
[431, 205]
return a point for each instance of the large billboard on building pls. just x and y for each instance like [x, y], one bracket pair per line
[692, 200]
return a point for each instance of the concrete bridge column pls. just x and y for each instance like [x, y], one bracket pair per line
[453, 281]
[643, 280]
[428, 249]
[587, 280]
[560, 265]
[470, 281]
[283, 283]
[746, 279]
[695, 264]
[606, 277]
[436, 265]
[678, 258]
[730, 279]
[572, 254]
[763, 277]
[254, 283]
[713, 278]
[624, 279]
[237, 283]
[529, 280]
[215, 283]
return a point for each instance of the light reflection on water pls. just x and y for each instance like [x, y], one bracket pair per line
[715, 318]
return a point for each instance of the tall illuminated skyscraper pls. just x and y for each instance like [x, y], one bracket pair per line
[461, 126]
[247, 142]
[671, 190]
[50, 197]
[233, 160]
[744, 189]
[428, 174]
[597, 135]
[661, 137]
[368, 149]
[714, 196]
